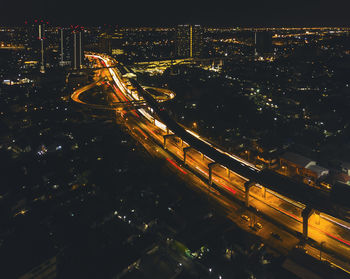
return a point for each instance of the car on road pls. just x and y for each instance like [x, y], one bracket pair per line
[245, 218]
[258, 226]
[276, 235]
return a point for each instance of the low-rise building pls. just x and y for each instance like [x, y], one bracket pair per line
[293, 164]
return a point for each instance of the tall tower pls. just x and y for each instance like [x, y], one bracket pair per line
[65, 47]
[41, 37]
[189, 40]
[62, 47]
[77, 49]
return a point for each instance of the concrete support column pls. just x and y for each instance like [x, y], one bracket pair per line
[318, 217]
[306, 213]
[185, 150]
[247, 186]
[210, 167]
[264, 192]
[228, 173]
[165, 137]
[203, 156]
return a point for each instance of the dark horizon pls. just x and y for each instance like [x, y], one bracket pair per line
[155, 13]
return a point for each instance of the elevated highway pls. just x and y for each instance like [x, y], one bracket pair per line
[308, 196]
[292, 204]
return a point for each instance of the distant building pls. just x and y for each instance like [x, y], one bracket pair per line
[263, 42]
[295, 164]
[105, 43]
[189, 41]
[111, 42]
[341, 172]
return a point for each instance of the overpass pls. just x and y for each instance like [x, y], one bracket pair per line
[113, 106]
[314, 200]
[307, 199]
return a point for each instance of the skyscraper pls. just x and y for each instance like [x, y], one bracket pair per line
[189, 40]
[263, 42]
[41, 37]
[65, 47]
[77, 50]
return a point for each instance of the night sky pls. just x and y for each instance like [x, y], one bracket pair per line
[172, 12]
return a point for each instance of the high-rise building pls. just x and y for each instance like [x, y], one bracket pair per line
[77, 56]
[263, 42]
[189, 40]
[197, 40]
[41, 37]
[71, 47]
[65, 47]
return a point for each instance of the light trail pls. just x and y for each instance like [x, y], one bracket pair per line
[142, 133]
[333, 221]
[125, 99]
[160, 125]
[202, 171]
[176, 166]
[155, 135]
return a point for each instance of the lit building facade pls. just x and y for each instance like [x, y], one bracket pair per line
[189, 41]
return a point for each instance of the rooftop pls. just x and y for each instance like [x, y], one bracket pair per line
[298, 159]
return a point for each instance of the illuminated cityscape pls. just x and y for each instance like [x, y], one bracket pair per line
[195, 142]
